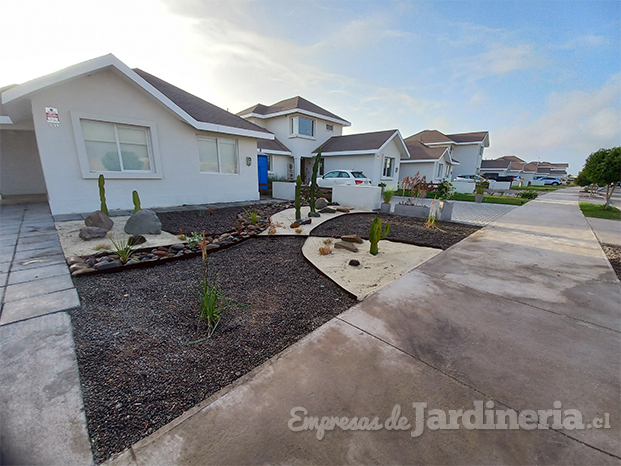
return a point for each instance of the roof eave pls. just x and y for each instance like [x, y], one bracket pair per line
[5, 120]
[296, 110]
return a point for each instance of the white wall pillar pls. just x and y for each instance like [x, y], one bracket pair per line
[297, 160]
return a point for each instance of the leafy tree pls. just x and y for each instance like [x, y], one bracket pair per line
[602, 168]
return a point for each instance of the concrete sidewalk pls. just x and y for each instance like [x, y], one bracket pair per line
[523, 314]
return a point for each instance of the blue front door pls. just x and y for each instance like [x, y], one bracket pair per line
[262, 163]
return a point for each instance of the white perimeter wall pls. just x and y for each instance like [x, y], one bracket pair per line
[105, 93]
[362, 197]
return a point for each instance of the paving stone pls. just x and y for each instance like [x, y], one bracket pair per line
[38, 239]
[43, 251]
[7, 251]
[42, 414]
[3, 279]
[5, 266]
[36, 231]
[39, 306]
[68, 217]
[42, 286]
[50, 240]
[38, 262]
[36, 273]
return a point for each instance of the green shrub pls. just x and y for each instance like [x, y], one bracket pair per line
[387, 195]
[528, 194]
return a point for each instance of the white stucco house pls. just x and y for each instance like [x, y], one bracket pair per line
[434, 163]
[465, 149]
[510, 165]
[299, 127]
[377, 154]
[58, 133]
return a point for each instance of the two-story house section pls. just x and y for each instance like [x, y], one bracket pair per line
[299, 126]
[464, 148]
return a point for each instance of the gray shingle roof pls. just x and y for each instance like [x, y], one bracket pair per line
[419, 151]
[468, 137]
[504, 164]
[290, 104]
[357, 142]
[274, 145]
[196, 107]
[430, 136]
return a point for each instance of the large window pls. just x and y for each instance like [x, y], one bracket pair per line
[218, 155]
[389, 167]
[302, 126]
[112, 147]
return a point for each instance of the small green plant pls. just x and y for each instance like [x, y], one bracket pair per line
[194, 239]
[387, 195]
[444, 190]
[136, 199]
[528, 194]
[298, 188]
[481, 186]
[102, 194]
[376, 234]
[121, 247]
[253, 216]
[212, 301]
[201, 213]
[325, 250]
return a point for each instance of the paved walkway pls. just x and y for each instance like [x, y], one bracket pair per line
[41, 410]
[470, 212]
[524, 314]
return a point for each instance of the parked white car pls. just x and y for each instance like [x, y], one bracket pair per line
[343, 177]
[476, 178]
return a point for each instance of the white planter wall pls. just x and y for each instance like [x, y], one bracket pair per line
[362, 197]
[463, 186]
[283, 190]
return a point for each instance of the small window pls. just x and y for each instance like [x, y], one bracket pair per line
[389, 166]
[330, 128]
[306, 127]
[218, 155]
[332, 175]
[111, 147]
[440, 166]
[270, 163]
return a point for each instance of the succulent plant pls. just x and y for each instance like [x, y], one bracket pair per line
[376, 234]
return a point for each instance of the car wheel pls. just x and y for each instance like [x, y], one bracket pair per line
[555, 184]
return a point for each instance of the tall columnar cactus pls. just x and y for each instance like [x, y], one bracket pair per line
[313, 185]
[136, 199]
[376, 234]
[102, 195]
[298, 189]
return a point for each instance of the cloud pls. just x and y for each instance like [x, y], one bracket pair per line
[574, 124]
[586, 41]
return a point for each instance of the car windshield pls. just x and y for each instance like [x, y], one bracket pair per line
[358, 174]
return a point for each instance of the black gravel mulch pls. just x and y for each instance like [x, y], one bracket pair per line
[405, 229]
[613, 253]
[213, 221]
[134, 330]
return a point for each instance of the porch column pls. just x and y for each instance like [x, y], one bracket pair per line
[297, 160]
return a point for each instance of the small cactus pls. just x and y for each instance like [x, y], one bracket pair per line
[102, 195]
[313, 185]
[298, 188]
[136, 199]
[376, 234]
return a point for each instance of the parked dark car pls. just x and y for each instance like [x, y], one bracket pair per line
[496, 177]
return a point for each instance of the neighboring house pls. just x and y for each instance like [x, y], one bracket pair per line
[465, 148]
[434, 163]
[60, 131]
[377, 154]
[299, 127]
[510, 165]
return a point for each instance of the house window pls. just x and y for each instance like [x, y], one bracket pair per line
[270, 163]
[112, 147]
[218, 155]
[440, 167]
[306, 126]
[389, 167]
[330, 128]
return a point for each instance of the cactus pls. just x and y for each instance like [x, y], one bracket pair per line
[298, 188]
[102, 195]
[136, 199]
[376, 234]
[313, 185]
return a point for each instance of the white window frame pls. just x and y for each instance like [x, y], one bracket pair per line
[440, 170]
[217, 139]
[294, 127]
[392, 166]
[152, 146]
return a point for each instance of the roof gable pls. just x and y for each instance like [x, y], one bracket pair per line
[293, 105]
[419, 151]
[435, 137]
[362, 143]
[196, 112]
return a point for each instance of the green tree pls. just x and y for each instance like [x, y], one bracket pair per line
[602, 168]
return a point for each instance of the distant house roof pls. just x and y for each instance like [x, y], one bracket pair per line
[511, 158]
[419, 151]
[274, 146]
[435, 137]
[495, 164]
[293, 105]
[194, 111]
[362, 143]
[530, 167]
[199, 109]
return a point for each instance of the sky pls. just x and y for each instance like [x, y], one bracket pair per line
[543, 77]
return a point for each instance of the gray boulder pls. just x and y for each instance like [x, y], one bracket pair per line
[99, 219]
[143, 222]
[321, 203]
[87, 233]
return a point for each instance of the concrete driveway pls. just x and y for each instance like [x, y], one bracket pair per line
[522, 315]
